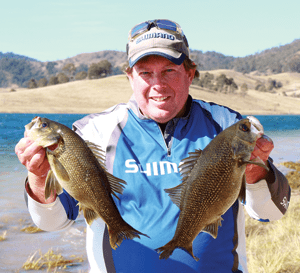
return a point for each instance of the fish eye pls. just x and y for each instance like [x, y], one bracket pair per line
[44, 124]
[244, 128]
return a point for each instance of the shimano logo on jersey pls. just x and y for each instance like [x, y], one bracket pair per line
[154, 168]
[155, 35]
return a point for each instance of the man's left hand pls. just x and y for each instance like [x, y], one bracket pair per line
[262, 149]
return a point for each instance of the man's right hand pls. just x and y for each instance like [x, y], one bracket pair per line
[33, 157]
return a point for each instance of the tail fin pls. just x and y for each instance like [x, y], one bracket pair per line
[167, 250]
[125, 232]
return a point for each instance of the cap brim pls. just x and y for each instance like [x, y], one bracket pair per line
[173, 56]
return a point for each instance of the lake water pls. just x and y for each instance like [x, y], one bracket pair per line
[18, 246]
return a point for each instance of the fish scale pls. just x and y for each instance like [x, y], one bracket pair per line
[212, 180]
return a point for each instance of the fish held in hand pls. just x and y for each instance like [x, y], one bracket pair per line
[212, 180]
[78, 167]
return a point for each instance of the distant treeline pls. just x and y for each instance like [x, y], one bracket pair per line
[31, 74]
[70, 72]
[275, 60]
[226, 85]
[24, 71]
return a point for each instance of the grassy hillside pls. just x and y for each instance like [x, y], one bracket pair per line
[90, 96]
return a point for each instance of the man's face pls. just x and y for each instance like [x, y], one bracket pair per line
[160, 87]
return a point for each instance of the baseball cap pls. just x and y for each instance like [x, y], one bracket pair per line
[157, 37]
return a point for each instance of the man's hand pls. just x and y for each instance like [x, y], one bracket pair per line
[263, 148]
[33, 157]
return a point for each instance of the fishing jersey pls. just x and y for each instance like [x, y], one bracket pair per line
[148, 159]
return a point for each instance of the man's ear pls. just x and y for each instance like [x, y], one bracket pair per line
[129, 77]
[191, 74]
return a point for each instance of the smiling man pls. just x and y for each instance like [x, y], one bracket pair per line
[161, 87]
[144, 141]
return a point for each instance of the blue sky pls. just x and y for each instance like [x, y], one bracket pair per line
[54, 30]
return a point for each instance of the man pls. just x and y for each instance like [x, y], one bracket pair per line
[144, 141]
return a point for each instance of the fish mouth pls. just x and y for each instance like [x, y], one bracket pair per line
[256, 126]
[36, 131]
[33, 124]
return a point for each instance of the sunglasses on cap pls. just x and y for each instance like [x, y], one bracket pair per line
[159, 23]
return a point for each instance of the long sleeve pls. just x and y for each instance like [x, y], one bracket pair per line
[267, 201]
[54, 216]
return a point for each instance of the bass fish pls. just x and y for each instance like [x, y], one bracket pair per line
[212, 180]
[78, 167]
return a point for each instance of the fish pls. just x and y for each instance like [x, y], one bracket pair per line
[78, 167]
[212, 180]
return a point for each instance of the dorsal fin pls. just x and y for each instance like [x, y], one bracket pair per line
[116, 184]
[188, 163]
[98, 153]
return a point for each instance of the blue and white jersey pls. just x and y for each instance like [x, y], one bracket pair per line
[148, 159]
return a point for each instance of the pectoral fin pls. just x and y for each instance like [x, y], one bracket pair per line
[177, 193]
[88, 214]
[58, 168]
[51, 184]
[212, 229]
[257, 161]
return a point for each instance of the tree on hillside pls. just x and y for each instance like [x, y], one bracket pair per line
[260, 86]
[221, 81]
[32, 84]
[69, 69]
[99, 70]
[94, 72]
[206, 80]
[53, 80]
[42, 82]
[224, 84]
[62, 78]
[105, 66]
[81, 76]
[273, 84]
